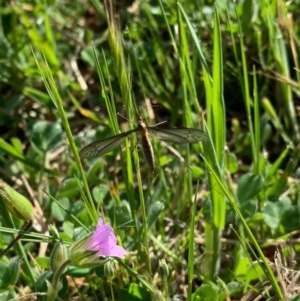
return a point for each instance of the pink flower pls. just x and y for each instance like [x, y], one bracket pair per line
[104, 242]
[96, 248]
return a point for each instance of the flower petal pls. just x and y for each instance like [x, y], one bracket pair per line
[104, 241]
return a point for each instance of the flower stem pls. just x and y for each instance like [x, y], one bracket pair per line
[55, 286]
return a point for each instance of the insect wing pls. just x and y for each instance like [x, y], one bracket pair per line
[101, 147]
[177, 135]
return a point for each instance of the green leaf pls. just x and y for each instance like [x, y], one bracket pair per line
[99, 193]
[46, 136]
[274, 211]
[255, 272]
[123, 214]
[232, 163]
[41, 284]
[154, 211]
[10, 149]
[8, 295]
[234, 288]
[14, 270]
[58, 212]
[206, 292]
[68, 229]
[249, 185]
[78, 272]
[8, 273]
[290, 219]
[134, 293]
[68, 189]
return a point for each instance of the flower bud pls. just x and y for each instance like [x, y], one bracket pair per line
[163, 269]
[53, 231]
[58, 256]
[109, 268]
[15, 202]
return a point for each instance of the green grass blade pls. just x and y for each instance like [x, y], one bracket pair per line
[52, 89]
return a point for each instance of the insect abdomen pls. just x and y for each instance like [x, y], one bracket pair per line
[148, 151]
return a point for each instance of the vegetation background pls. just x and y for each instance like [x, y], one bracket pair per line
[223, 225]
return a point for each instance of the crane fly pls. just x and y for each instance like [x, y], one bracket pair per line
[165, 134]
